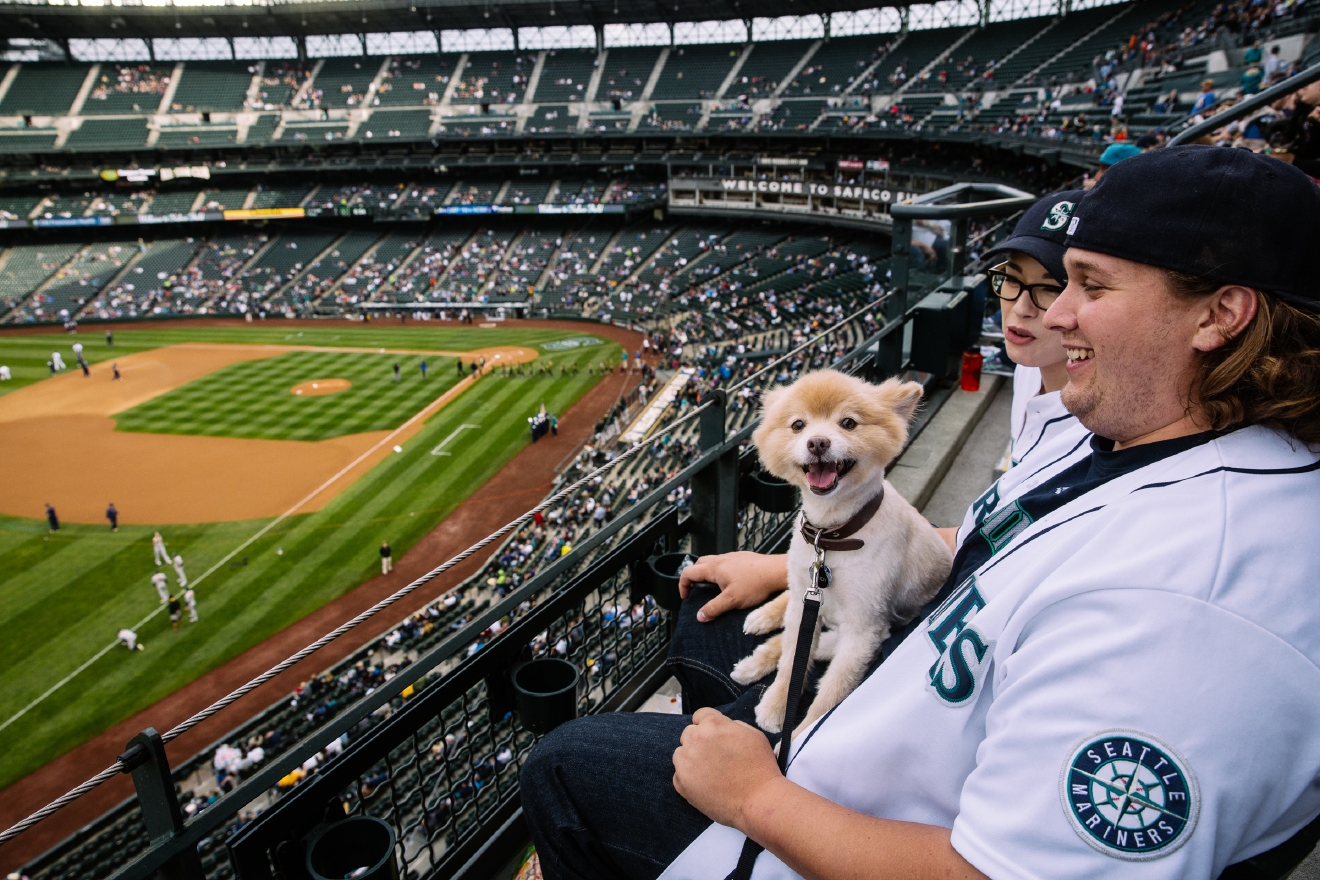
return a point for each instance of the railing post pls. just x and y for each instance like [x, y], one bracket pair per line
[715, 487]
[958, 246]
[889, 356]
[145, 758]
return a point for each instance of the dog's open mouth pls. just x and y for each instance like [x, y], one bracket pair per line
[824, 476]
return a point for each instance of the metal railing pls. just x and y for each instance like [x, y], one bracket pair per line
[1245, 108]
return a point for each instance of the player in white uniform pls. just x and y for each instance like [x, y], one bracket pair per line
[1027, 282]
[190, 602]
[162, 589]
[56, 362]
[1121, 677]
[178, 570]
[159, 554]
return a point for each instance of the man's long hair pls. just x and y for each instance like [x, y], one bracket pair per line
[1269, 374]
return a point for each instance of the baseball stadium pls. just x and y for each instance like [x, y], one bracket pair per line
[370, 370]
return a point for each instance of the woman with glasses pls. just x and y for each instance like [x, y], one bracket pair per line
[1027, 283]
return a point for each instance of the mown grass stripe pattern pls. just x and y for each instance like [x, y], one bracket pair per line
[252, 399]
[26, 356]
[63, 596]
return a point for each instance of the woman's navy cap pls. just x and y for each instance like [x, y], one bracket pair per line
[1226, 215]
[1042, 232]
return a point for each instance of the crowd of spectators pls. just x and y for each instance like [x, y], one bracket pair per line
[132, 79]
[280, 81]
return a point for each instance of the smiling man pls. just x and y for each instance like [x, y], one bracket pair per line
[1121, 677]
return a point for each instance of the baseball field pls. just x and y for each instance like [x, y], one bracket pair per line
[274, 461]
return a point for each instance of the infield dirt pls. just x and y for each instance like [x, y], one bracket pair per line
[58, 440]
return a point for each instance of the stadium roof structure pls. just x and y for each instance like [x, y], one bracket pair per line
[59, 20]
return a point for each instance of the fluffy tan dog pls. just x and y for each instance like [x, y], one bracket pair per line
[832, 435]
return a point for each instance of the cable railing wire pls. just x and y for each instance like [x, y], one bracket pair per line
[810, 342]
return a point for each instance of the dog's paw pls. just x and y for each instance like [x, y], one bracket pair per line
[770, 711]
[762, 662]
[764, 620]
[747, 671]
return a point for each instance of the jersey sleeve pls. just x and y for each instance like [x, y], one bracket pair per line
[1137, 733]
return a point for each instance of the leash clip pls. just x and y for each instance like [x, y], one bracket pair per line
[819, 572]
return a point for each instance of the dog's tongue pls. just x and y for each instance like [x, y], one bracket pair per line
[821, 475]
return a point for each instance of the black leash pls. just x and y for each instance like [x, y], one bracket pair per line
[820, 579]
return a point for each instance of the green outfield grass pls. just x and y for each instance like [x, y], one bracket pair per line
[64, 596]
[252, 399]
[26, 356]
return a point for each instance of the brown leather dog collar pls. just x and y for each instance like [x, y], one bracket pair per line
[840, 538]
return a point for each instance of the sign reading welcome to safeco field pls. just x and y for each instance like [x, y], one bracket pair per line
[799, 187]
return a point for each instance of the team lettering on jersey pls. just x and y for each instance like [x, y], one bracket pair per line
[1001, 527]
[963, 652]
[1129, 795]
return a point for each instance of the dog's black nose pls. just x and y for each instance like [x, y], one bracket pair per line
[818, 445]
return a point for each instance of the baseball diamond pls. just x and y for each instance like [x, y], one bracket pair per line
[183, 391]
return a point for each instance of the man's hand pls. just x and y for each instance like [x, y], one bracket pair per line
[723, 766]
[745, 580]
[726, 770]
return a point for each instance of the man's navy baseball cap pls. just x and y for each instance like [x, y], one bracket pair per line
[1226, 215]
[1042, 232]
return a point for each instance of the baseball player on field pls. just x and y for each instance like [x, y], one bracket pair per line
[159, 554]
[162, 588]
[178, 570]
[190, 602]
[1120, 677]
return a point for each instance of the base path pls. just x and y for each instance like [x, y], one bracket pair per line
[69, 419]
[516, 488]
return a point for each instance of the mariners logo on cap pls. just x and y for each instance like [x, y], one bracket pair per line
[1058, 216]
[1129, 795]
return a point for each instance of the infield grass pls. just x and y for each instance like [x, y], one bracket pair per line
[63, 596]
[253, 399]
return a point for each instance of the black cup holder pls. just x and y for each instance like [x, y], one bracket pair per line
[662, 579]
[545, 692]
[361, 847]
[769, 493]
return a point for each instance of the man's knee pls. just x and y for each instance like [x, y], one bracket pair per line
[547, 772]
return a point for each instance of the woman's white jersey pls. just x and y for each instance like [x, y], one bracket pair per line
[1035, 417]
[1128, 689]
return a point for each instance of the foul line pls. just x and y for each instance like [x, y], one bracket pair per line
[441, 445]
[461, 385]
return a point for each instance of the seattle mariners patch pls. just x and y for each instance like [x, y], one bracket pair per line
[1060, 213]
[1129, 795]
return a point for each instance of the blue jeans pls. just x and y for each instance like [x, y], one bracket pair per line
[598, 792]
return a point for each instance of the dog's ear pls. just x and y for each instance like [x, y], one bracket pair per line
[771, 398]
[762, 433]
[902, 397]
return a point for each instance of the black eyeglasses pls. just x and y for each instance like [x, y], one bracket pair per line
[1008, 288]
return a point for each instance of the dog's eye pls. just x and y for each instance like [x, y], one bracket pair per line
[848, 424]
[798, 425]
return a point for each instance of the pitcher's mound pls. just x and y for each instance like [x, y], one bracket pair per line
[318, 387]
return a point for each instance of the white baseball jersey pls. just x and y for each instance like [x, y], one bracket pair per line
[1035, 417]
[1126, 689]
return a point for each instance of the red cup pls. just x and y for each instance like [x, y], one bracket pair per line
[971, 370]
